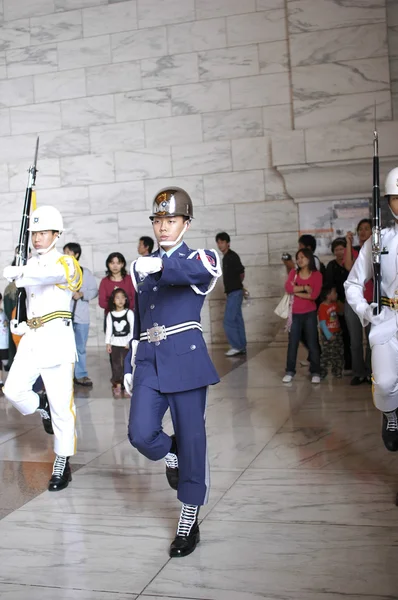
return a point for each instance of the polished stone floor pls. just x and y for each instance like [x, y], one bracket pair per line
[302, 504]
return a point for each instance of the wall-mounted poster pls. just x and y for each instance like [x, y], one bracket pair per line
[331, 219]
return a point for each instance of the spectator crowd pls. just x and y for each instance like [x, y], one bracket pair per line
[319, 316]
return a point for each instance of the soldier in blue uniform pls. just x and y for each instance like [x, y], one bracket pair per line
[168, 365]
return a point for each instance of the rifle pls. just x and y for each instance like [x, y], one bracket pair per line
[23, 240]
[377, 250]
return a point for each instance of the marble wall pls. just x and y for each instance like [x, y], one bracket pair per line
[392, 22]
[129, 96]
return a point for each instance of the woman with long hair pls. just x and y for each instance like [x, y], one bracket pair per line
[304, 284]
[116, 276]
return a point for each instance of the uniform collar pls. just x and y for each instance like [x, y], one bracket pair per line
[181, 247]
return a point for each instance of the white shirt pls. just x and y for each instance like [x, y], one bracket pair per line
[54, 343]
[4, 331]
[384, 325]
[115, 340]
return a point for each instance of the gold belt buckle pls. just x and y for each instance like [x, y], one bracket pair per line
[35, 323]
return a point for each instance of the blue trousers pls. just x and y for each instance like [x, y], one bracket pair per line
[234, 325]
[145, 432]
[81, 336]
[306, 323]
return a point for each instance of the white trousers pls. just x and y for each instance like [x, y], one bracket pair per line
[58, 381]
[385, 375]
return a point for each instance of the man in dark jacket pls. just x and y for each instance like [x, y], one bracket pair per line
[233, 275]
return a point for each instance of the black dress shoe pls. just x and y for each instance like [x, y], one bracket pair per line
[172, 472]
[357, 380]
[61, 475]
[183, 545]
[44, 410]
[389, 430]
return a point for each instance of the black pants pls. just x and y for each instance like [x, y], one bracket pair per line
[117, 362]
[307, 323]
[346, 343]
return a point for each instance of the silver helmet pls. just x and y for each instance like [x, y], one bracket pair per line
[172, 202]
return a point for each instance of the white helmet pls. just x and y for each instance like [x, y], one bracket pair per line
[46, 218]
[391, 185]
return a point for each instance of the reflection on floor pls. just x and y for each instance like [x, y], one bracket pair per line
[301, 508]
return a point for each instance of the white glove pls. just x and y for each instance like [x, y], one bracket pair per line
[18, 328]
[134, 346]
[128, 378]
[128, 383]
[12, 273]
[367, 312]
[145, 265]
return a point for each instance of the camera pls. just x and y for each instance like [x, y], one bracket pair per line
[286, 256]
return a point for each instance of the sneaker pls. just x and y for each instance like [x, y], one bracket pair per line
[287, 378]
[389, 431]
[232, 352]
[304, 363]
[84, 381]
[315, 379]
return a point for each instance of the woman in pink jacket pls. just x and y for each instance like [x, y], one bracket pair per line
[305, 285]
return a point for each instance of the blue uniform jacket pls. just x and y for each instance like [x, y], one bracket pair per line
[181, 362]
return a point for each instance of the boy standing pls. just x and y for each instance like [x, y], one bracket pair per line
[47, 347]
[81, 315]
[331, 338]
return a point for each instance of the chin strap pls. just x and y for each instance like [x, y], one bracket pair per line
[43, 251]
[393, 213]
[175, 242]
[74, 282]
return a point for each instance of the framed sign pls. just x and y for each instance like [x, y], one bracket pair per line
[327, 220]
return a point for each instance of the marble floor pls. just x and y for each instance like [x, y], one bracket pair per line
[302, 505]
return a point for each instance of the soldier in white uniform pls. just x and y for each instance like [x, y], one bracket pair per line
[383, 336]
[47, 347]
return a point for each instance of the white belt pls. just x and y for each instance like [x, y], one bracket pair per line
[157, 333]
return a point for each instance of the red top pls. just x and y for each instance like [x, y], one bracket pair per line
[302, 305]
[328, 313]
[107, 286]
[368, 289]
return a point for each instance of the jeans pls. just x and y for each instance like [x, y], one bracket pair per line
[307, 323]
[234, 325]
[81, 336]
[361, 367]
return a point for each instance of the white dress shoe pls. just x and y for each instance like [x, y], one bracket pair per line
[287, 379]
[316, 379]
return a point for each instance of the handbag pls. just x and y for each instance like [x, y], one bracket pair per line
[282, 310]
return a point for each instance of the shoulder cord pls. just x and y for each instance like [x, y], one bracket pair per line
[74, 282]
[215, 272]
[133, 278]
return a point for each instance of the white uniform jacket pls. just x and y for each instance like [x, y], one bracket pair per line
[384, 325]
[53, 343]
